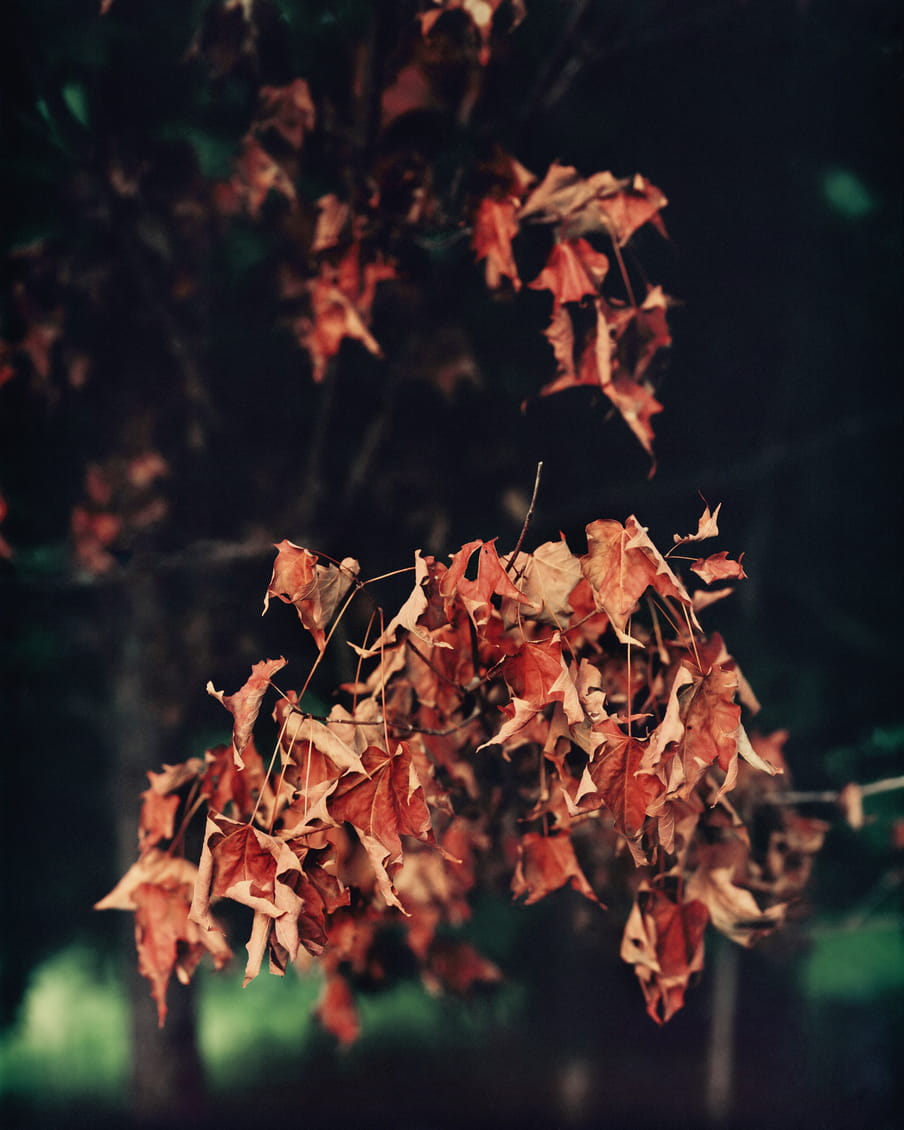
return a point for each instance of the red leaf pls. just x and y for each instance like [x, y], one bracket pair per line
[492, 580]
[257, 174]
[229, 788]
[626, 792]
[546, 863]
[621, 563]
[315, 590]
[707, 527]
[495, 226]
[246, 865]
[718, 567]
[245, 704]
[158, 888]
[337, 1011]
[382, 806]
[663, 940]
[573, 270]
[636, 202]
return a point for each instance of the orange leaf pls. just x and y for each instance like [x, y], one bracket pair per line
[315, 590]
[621, 563]
[718, 567]
[245, 704]
[663, 940]
[546, 863]
[382, 806]
[573, 270]
[495, 226]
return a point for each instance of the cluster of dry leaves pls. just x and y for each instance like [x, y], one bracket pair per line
[530, 710]
[607, 327]
[600, 331]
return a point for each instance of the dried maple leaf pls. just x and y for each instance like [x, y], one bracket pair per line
[663, 940]
[409, 614]
[573, 270]
[547, 577]
[244, 864]
[158, 888]
[560, 335]
[340, 739]
[157, 819]
[601, 202]
[245, 704]
[712, 721]
[334, 318]
[492, 580]
[614, 775]
[565, 198]
[621, 563]
[634, 203]
[315, 590]
[525, 722]
[718, 567]
[455, 965]
[615, 358]
[537, 674]
[733, 910]
[707, 527]
[159, 806]
[546, 863]
[229, 788]
[336, 1009]
[495, 226]
[382, 805]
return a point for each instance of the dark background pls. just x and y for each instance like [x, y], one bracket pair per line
[774, 129]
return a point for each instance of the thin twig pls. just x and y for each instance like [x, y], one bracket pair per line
[831, 796]
[530, 512]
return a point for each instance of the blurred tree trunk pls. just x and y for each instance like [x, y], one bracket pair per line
[167, 1077]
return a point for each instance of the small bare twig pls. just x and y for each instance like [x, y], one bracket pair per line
[513, 556]
[831, 796]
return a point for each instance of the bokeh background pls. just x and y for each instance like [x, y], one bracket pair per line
[136, 321]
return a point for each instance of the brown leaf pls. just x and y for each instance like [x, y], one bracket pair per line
[546, 863]
[663, 940]
[547, 577]
[158, 888]
[573, 270]
[315, 590]
[455, 965]
[157, 819]
[382, 806]
[712, 721]
[707, 527]
[718, 567]
[621, 563]
[733, 910]
[492, 580]
[495, 226]
[625, 791]
[337, 1011]
[229, 788]
[242, 863]
[245, 704]
[634, 203]
[257, 175]
[537, 673]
